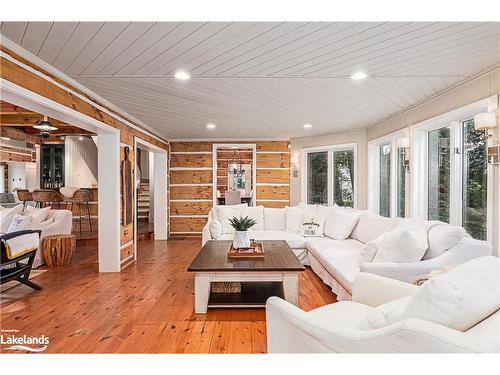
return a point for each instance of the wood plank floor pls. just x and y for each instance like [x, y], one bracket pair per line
[147, 308]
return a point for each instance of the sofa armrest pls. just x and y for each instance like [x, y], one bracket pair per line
[373, 290]
[205, 232]
[410, 272]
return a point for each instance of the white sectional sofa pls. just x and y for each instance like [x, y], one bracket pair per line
[338, 261]
[53, 222]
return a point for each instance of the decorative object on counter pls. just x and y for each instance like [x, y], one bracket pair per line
[126, 172]
[255, 250]
[241, 226]
[58, 250]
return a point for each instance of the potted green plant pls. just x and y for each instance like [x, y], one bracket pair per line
[241, 226]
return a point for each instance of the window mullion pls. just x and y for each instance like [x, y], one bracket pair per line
[330, 184]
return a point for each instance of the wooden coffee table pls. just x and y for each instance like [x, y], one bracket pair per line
[276, 274]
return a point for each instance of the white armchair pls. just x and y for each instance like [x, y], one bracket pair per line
[336, 327]
[462, 252]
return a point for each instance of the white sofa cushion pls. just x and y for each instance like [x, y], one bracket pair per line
[37, 214]
[256, 213]
[460, 298]
[340, 222]
[20, 222]
[294, 240]
[224, 213]
[338, 257]
[342, 314]
[274, 218]
[405, 243]
[371, 226]
[293, 219]
[441, 237]
[370, 250]
[6, 216]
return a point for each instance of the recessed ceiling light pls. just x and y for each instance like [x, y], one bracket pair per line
[359, 75]
[182, 75]
[307, 126]
[210, 126]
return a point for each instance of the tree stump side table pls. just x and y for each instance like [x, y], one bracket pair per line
[58, 250]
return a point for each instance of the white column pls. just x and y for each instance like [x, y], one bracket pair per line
[109, 202]
[160, 195]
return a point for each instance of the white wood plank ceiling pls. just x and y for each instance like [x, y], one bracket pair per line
[262, 80]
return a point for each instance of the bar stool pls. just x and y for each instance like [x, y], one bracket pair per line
[81, 198]
[24, 196]
[43, 197]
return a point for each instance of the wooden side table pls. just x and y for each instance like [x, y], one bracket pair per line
[58, 250]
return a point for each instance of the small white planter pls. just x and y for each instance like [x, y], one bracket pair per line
[241, 239]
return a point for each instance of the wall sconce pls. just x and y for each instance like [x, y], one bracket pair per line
[404, 143]
[485, 121]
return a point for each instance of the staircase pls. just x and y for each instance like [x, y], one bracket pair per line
[143, 201]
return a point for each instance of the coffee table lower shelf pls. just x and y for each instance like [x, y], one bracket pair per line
[253, 294]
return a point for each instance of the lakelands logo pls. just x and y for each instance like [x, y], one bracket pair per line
[16, 342]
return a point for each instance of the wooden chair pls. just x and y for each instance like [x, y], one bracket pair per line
[17, 267]
[24, 196]
[81, 199]
[233, 197]
[43, 197]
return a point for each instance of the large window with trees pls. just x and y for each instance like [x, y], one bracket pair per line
[449, 170]
[385, 180]
[329, 176]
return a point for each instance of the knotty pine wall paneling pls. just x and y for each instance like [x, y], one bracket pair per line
[191, 181]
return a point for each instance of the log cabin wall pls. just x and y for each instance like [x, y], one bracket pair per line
[33, 77]
[191, 194]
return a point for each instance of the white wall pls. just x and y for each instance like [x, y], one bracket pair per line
[358, 137]
[80, 158]
[17, 176]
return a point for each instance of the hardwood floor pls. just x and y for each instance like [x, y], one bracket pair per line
[147, 308]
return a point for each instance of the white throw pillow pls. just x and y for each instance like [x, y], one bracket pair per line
[6, 216]
[340, 223]
[405, 243]
[224, 213]
[38, 214]
[293, 219]
[312, 225]
[215, 228]
[370, 250]
[20, 222]
[256, 213]
[371, 226]
[313, 209]
[386, 314]
[274, 218]
[49, 221]
[441, 237]
[460, 298]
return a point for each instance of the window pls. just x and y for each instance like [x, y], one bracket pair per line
[317, 178]
[450, 171]
[343, 178]
[439, 175]
[329, 177]
[474, 213]
[385, 181]
[401, 183]
[387, 174]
